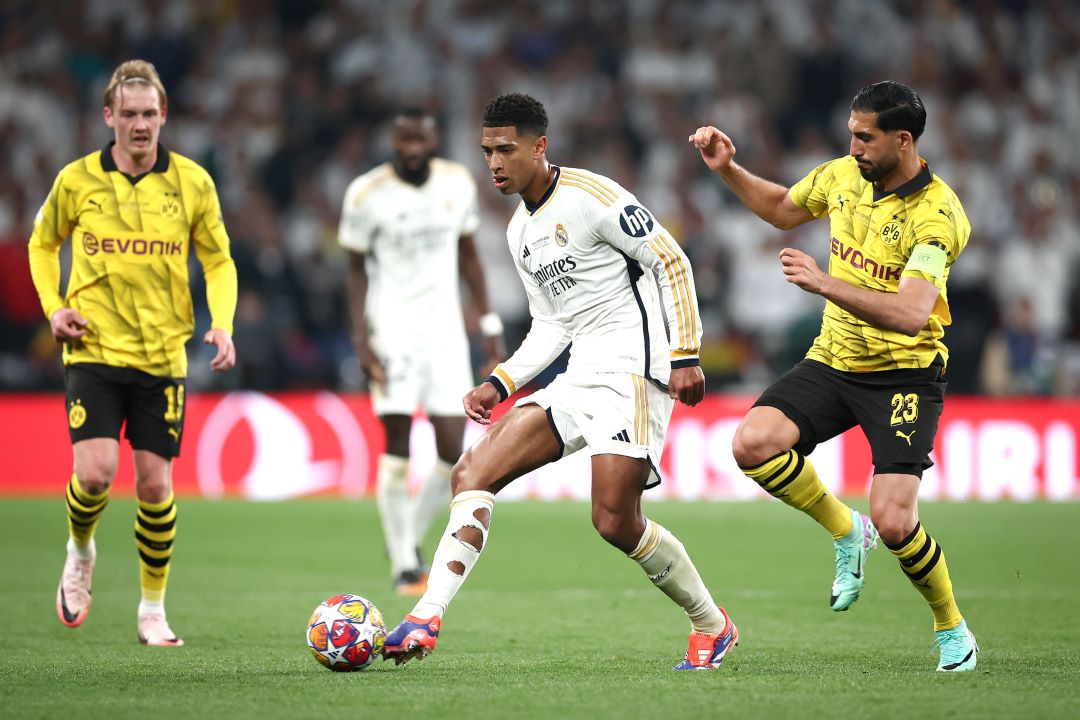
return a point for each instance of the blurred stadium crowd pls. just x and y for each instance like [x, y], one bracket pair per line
[285, 102]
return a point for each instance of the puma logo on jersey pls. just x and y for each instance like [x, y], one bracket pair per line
[906, 437]
[840, 199]
[95, 203]
[175, 434]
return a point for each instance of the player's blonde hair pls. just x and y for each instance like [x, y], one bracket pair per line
[135, 72]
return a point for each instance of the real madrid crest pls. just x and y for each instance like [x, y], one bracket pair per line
[561, 236]
[76, 415]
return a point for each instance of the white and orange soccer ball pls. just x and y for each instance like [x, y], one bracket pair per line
[346, 633]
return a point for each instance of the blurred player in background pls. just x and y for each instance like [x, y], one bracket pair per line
[408, 226]
[879, 361]
[600, 272]
[133, 211]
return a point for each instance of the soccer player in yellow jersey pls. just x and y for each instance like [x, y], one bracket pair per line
[879, 361]
[133, 211]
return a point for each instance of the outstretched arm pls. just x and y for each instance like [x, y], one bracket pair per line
[766, 199]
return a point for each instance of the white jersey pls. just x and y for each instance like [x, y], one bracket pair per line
[410, 235]
[603, 274]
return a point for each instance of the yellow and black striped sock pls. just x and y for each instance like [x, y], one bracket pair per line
[791, 477]
[923, 561]
[83, 511]
[155, 529]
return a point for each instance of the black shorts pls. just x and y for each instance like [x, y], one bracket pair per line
[898, 410]
[101, 398]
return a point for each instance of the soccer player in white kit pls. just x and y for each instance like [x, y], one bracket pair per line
[601, 273]
[408, 226]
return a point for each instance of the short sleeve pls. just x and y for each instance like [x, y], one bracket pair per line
[812, 192]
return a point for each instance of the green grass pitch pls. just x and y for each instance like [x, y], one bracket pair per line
[552, 623]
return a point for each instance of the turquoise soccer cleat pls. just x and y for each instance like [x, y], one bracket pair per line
[959, 651]
[851, 552]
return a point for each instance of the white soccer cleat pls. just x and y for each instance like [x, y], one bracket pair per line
[154, 630]
[73, 595]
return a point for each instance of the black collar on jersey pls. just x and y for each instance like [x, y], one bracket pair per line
[916, 183]
[529, 207]
[109, 165]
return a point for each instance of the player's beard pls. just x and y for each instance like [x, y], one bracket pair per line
[879, 169]
[414, 175]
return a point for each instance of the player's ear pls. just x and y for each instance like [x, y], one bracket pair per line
[540, 147]
[164, 113]
[904, 139]
[107, 113]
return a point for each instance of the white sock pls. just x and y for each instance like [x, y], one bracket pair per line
[86, 552]
[443, 583]
[392, 497]
[151, 608]
[664, 560]
[433, 498]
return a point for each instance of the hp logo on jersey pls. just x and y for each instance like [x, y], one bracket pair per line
[636, 221]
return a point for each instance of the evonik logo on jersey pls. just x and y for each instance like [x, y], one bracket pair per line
[859, 261]
[130, 246]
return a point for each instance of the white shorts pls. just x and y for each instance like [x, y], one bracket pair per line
[611, 413]
[434, 379]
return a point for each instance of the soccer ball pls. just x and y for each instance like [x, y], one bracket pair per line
[346, 633]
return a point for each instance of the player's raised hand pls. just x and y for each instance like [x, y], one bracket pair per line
[715, 147]
[480, 401]
[687, 385]
[226, 351]
[802, 270]
[67, 324]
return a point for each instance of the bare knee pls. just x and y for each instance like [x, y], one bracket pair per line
[465, 475]
[893, 524]
[617, 529]
[764, 433]
[753, 445]
[95, 477]
[153, 489]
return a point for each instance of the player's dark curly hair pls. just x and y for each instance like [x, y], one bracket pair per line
[526, 114]
[898, 107]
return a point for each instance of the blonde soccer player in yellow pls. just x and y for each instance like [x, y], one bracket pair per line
[133, 211]
[879, 362]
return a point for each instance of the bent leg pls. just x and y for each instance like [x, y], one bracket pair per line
[87, 495]
[96, 461]
[763, 448]
[518, 443]
[521, 441]
[616, 512]
[894, 509]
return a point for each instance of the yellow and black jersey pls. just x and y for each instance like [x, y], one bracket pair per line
[131, 238]
[917, 230]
